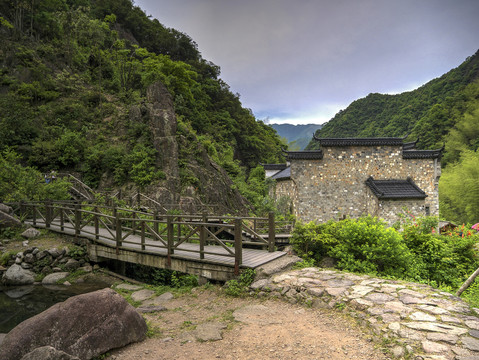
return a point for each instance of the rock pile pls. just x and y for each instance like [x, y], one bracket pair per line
[24, 266]
[419, 321]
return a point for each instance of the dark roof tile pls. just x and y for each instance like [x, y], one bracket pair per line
[274, 166]
[395, 189]
[379, 141]
[422, 154]
[304, 155]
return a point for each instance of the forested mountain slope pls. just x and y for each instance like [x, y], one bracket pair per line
[73, 97]
[428, 112]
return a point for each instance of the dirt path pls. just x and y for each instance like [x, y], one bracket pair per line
[271, 329]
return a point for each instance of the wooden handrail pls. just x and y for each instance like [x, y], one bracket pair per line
[114, 226]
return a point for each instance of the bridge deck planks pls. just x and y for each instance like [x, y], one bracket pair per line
[252, 258]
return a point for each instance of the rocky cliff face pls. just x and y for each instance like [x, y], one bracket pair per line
[213, 185]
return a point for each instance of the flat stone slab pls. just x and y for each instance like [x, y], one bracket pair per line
[129, 287]
[159, 300]
[150, 309]
[142, 295]
[435, 327]
[204, 332]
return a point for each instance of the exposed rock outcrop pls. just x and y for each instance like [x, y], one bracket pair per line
[213, 185]
[83, 326]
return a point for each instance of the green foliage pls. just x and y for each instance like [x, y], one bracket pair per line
[25, 183]
[365, 245]
[70, 111]
[459, 189]
[313, 240]
[240, 286]
[441, 259]
[416, 252]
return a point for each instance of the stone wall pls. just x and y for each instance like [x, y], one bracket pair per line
[284, 194]
[334, 186]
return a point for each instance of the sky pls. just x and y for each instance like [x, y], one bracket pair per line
[302, 61]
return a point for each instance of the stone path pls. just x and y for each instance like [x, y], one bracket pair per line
[417, 321]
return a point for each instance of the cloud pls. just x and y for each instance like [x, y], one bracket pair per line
[304, 57]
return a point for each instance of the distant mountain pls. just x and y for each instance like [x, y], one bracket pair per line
[428, 112]
[298, 136]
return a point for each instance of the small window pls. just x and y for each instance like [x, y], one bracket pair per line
[428, 211]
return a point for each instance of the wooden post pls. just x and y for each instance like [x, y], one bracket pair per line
[156, 224]
[203, 236]
[271, 232]
[118, 230]
[170, 230]
[34, 210]
[62, 219]
[48, 216]
[178, 229]
[97, 225]
[77, 219]
[142, 235]
[238, 245]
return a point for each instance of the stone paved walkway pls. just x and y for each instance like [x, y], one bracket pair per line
[417, 321]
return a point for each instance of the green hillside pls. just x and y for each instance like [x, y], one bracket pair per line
[75, 76]
[428, 112]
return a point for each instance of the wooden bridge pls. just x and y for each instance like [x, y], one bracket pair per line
[213, 247]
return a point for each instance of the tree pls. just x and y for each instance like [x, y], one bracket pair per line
[459, 189]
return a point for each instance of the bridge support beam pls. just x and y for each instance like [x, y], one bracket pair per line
[201, 269]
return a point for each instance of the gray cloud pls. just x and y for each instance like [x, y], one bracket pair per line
[303, 60]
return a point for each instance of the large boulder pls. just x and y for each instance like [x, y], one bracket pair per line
[7, 220]
[16, 275]
[84, 326]
[48, 353]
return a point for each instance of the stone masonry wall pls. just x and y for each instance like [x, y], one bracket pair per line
[284, 191]
[335, 185]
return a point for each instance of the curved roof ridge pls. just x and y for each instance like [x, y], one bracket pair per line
[368, 141]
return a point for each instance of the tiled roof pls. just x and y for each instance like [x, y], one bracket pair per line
[384, 141]
[422, 154]
[395, 189]
[410, 145]
[304, 155]
[282, 175]
[274, 166]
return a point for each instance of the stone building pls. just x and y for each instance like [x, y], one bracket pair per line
[359, 176]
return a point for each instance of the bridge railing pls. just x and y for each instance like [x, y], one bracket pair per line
[120, 228]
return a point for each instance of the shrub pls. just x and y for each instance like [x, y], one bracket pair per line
[442, 259]
[313, 240]
[365, 245]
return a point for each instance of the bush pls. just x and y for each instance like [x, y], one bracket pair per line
[442, 259]
[365, 245]
[313, 240]
[416, 252]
